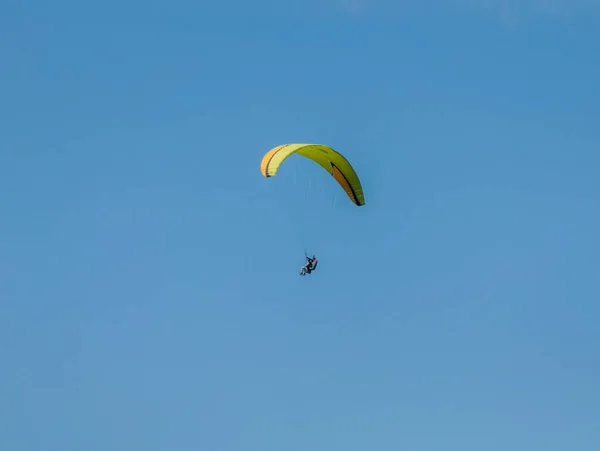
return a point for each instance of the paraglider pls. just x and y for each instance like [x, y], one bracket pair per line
[309, 266]
[330, 160]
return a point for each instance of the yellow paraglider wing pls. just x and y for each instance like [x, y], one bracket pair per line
[332, 161]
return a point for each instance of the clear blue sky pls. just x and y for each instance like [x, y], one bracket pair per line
[149, 289]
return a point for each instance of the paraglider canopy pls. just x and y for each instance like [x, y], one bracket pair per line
[330, 160]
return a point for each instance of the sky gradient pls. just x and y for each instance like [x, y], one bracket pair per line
[149, 289]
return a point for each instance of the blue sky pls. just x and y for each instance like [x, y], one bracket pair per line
[149, 289]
